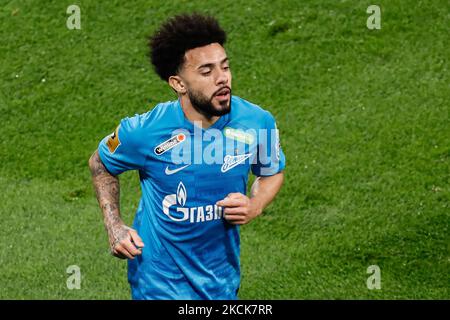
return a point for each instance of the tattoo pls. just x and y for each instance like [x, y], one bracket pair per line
[107, 189]
[117, 235]
[96, 165]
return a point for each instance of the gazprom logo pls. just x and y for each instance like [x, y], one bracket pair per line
[181, 194]
[193, 214]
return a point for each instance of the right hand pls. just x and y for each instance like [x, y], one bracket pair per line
[123, 241]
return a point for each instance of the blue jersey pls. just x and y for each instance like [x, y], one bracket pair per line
[191, 251]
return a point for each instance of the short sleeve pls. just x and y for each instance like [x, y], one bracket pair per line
[270, 159]
[122, 150]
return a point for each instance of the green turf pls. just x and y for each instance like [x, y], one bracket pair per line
[364, 121]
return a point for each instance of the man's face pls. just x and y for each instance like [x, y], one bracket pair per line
[207, 77]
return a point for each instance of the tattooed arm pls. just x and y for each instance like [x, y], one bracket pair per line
[107, 188]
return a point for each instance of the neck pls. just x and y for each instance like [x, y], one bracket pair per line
[193, 115]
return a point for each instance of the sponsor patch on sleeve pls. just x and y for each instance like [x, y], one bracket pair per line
[113, 140]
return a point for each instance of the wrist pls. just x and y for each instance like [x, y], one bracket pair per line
[112, 225]
[257, 206]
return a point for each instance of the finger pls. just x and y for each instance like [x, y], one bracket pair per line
[228, 202]
[236, 222]
[124, 252]
[234, 217]
[129, 246]
[235, 195]
[117, 254]
[234, 211]
[136, 239]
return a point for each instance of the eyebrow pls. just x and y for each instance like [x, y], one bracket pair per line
[210, 65]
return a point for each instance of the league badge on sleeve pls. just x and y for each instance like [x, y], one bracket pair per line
[113, 140]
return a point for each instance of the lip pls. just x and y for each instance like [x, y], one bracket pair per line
[224, 97]
[223, 94]
[223, 91]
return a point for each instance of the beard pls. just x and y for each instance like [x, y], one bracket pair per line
[204, 105]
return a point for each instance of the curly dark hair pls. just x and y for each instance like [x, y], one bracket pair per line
[178, 35]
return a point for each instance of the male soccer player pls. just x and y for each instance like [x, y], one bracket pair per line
[193, 156]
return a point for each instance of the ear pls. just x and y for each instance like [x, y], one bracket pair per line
[177, 84]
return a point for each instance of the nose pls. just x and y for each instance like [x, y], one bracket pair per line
[222, 78]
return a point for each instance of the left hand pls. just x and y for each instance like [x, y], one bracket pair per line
[239, 209]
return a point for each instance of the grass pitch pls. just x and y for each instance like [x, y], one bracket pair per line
[364, 122]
